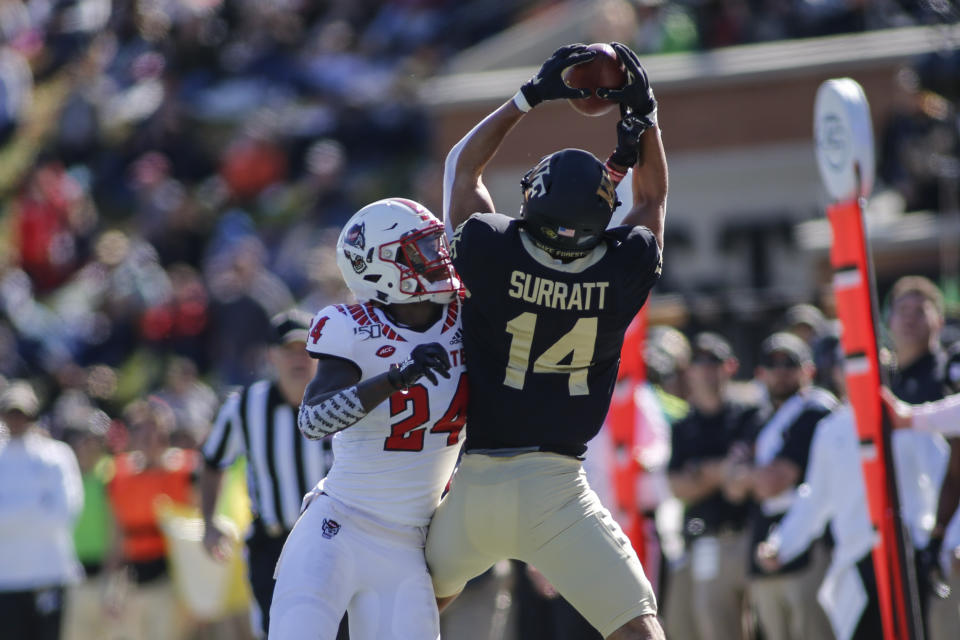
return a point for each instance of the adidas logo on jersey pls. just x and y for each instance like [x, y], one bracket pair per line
[457, 337]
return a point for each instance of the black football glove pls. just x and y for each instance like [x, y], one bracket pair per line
[629, 130]
[425, 360]
[929, 576]
[636, 96]
[548, 84]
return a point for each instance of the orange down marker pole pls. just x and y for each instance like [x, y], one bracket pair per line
[855, 299]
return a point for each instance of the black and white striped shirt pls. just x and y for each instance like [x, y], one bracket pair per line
[282, 465]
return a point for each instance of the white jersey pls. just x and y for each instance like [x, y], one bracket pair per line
[395, 462]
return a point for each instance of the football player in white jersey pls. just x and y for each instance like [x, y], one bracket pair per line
[390, 383]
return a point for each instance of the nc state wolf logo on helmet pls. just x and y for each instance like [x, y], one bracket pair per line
[356, 237]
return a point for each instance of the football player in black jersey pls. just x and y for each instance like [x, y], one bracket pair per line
[549, 297]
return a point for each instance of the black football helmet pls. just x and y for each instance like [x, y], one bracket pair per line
[568, 200]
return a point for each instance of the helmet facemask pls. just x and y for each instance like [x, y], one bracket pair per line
[423, 258]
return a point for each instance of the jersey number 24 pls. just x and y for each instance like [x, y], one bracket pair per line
[409, 433]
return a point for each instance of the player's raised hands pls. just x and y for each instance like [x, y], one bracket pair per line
[548, 84]
[636, 96]
[425, 361]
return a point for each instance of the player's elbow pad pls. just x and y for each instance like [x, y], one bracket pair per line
[341, 410]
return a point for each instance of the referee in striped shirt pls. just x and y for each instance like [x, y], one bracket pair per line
[260, 421]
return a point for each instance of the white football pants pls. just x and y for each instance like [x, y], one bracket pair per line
[338, 559]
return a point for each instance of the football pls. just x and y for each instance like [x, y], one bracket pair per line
[605, 71]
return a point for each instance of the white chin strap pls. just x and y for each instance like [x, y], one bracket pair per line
[444, 297]
[440, 297]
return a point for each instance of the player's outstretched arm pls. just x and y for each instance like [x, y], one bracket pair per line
[941, 416]
[336, 399]
[639, 110]
[463, 190]
[649, 184]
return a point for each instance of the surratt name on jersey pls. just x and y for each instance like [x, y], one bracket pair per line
[580, 296]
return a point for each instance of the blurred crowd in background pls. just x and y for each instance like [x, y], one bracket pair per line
[173, 173]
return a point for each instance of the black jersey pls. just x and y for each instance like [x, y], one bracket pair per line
[542, 339]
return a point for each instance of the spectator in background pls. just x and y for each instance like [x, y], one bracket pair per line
[717, 434]
[244, 296]
[85, 617]
[835, 493]
[260, 422]
[40, 497]
[149, 472]
[915, 321]
[99, 310]
[921, 375]
[667, 356]
[785, 599]
[51, 218]
[806, 322]
[193, 402]
[826, 349]
[180, 322]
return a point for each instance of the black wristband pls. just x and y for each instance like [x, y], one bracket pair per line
[624, 157]
[530, 94]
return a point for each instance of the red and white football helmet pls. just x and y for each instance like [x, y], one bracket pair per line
[395, 251]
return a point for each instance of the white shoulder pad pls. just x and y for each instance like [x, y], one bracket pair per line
[331, 332]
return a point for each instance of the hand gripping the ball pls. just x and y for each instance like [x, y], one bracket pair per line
[548, 84]
[635, 97]
[425, 361]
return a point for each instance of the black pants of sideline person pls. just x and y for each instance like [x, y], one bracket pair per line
[263, 552]
[31, 615]
[870, 626]
[542, 618]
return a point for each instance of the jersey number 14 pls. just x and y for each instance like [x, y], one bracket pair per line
[576, 344]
